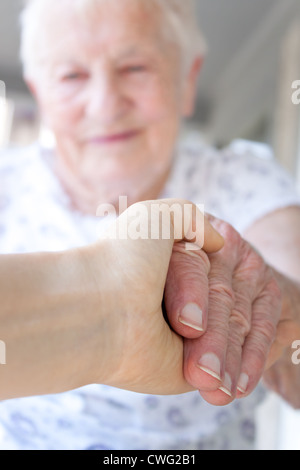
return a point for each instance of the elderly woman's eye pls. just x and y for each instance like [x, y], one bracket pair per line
[134, 69]
[72, 76]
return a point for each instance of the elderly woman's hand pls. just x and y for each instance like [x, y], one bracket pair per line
[239, 316]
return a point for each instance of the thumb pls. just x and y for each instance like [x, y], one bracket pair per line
[213, 240]
[168, 219]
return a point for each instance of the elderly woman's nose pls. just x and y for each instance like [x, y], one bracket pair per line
[105, 99]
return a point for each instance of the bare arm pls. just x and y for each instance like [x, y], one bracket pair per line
[43, 297]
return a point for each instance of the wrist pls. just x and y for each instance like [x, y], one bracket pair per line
[74, 316]
[53, 328]
[100, 305]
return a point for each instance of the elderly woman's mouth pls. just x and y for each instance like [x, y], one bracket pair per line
[113, 138]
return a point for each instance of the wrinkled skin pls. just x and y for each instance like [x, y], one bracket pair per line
[241, 304]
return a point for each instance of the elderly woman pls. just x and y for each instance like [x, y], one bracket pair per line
[113, 81]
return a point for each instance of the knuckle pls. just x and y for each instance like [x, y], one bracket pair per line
[240, 325]
[231, 236]
[271, 299]
[253, 263]
[261, 342]
[223, 293]
[266, 330]
[275, 289]
[202, 256]
[257, 357]
[191, 263]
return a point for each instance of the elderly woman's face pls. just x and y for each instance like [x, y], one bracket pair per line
[111, 90]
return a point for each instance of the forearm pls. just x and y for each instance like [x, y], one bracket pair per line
[49, 316]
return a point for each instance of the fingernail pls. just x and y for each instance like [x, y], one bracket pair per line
[227, 384]
[191, 315]
[243, 383]
[210, 363]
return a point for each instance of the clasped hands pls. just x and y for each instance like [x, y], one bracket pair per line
[222, 306]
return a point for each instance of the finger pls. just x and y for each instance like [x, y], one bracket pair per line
[239, 326]
[204, 361]
[265, 314]
[186, 292]
[213, 240]
[189, 224]
[216, 397]
[198, 229]
[238, 329]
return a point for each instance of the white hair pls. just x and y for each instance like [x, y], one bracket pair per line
[180, 17]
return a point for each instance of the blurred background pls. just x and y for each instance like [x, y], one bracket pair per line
[245, 92]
